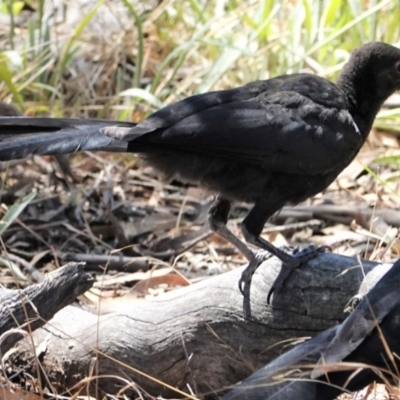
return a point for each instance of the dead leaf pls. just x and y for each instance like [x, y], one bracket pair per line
[17, 394]
[169, 280]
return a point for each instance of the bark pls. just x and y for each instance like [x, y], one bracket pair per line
[196, 336]
[38, 303]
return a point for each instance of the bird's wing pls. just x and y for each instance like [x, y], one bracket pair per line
[370, 312]
[23, 136]
[280, 131]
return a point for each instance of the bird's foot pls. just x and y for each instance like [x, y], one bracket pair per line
[258, 257]
[298, 257]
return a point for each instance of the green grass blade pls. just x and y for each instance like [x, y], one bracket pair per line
[140, 50]
[14, 211]
[7, 77]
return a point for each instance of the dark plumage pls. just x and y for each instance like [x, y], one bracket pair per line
[268, 143]
[8, 110]
[356, 340]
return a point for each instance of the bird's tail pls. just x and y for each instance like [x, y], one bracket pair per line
[23, 136]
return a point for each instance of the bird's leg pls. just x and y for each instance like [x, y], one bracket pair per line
[218, 218]
[251, 228]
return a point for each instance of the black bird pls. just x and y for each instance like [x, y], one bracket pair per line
[267, 143]
[356, 340]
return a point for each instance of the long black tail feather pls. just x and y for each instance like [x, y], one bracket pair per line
[24, 136]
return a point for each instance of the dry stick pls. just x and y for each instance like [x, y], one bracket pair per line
[36, 275]
[127, 264]
[345, 213]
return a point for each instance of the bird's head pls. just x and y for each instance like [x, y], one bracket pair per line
[371, 75]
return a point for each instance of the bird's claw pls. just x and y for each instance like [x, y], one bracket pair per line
[309, 252]
[258, 257]
[298, 257]
[286, 270]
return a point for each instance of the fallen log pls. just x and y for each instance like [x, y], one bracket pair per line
[196, 336]
[345, 358]
[38, 303]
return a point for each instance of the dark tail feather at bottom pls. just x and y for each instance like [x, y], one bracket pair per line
[21, 137]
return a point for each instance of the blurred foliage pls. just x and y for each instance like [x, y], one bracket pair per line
[171, 49]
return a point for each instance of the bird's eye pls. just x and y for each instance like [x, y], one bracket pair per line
[397, 65]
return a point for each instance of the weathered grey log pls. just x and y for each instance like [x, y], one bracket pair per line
[204, 323]
[38, 303]
[303, 373]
